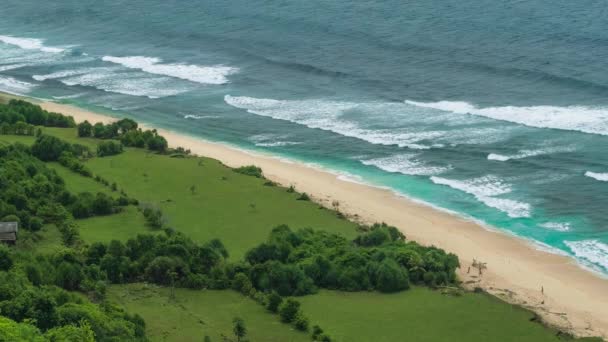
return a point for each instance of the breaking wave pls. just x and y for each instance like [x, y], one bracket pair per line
[195, 73]
[590, 251]
[603, 177]
[486, 189]
[530, 153]
[406, 164]
[29, 44]
[574, 118]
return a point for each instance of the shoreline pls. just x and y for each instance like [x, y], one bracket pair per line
[572, 298]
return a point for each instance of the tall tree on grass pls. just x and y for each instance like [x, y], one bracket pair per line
[239, 329]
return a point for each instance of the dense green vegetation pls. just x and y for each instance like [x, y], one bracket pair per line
[172, 239]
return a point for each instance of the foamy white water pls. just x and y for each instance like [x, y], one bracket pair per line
[29, 44]
[14, 86]
[486, 189]
[200, 74]
[531, 153]
[557, 226]
[124, 83]
[598, 176]
[591, 251]
[574, 118]
[406, 164]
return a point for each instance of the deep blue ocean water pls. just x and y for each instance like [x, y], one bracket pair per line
[495, 110]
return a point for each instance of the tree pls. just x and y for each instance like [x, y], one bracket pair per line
[288, 310]
[274, 301]
[391, 277]
[301, 322]
[239, 329]
[49, 148]
[6, 260]
[85, 129]
[241, 283]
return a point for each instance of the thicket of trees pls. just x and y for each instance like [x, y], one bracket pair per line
[17, 128]
[127, 131]
[297, 263]
[109, 148]
[34, 292]
[33, 194]
[22, 111]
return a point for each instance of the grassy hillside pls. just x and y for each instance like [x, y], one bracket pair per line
[205, 200]
[194, 314]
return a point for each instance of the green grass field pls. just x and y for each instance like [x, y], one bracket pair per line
[422, 314]
[194, 314]
[235, 208]
[240, 210]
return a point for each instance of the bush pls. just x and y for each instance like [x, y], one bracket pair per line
[274, 301]
[85, 129]
[289, 310]
[6, 260]
[242, 284]
[109, 148]
[250, 170]
[153, 216]
[304, 197]
[301, 322]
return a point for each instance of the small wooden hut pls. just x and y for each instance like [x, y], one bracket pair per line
[8, 232]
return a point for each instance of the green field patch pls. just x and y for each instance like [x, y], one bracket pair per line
[421, 315]
[121, 226]
[76, 183]
[194, 314]
[206, 200]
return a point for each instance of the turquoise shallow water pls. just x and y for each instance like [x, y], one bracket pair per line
[496, 111]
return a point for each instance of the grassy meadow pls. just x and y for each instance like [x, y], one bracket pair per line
[205, 200]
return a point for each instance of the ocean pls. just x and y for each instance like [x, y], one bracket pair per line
[497, 111]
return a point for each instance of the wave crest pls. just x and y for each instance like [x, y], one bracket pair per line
[573, 118]
[603, 177]
[30, 44]
[486, 189]
[200, 74]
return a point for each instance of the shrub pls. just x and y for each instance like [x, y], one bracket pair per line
[304, 197]
[289, 310]
[250, 170]
[274, 301]
[109, 148]
[85, 129]
[241, 283]
[301, 322]
[6, 260]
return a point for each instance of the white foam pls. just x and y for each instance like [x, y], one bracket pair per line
[200, 74]
[592, 120]
[406, 164]
[590, 251]
[277, 143]
[557, 226]
[486, 189]
[12, 66]
[68, 97]
[13, 86]
[531, 153]
[69, 73]
[199, 117]
[499, 157]
[271, 140]
[29, 44]
[603, 177]
[117, 83]
[327, 115]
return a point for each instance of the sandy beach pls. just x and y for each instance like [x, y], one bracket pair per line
[554, 286]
